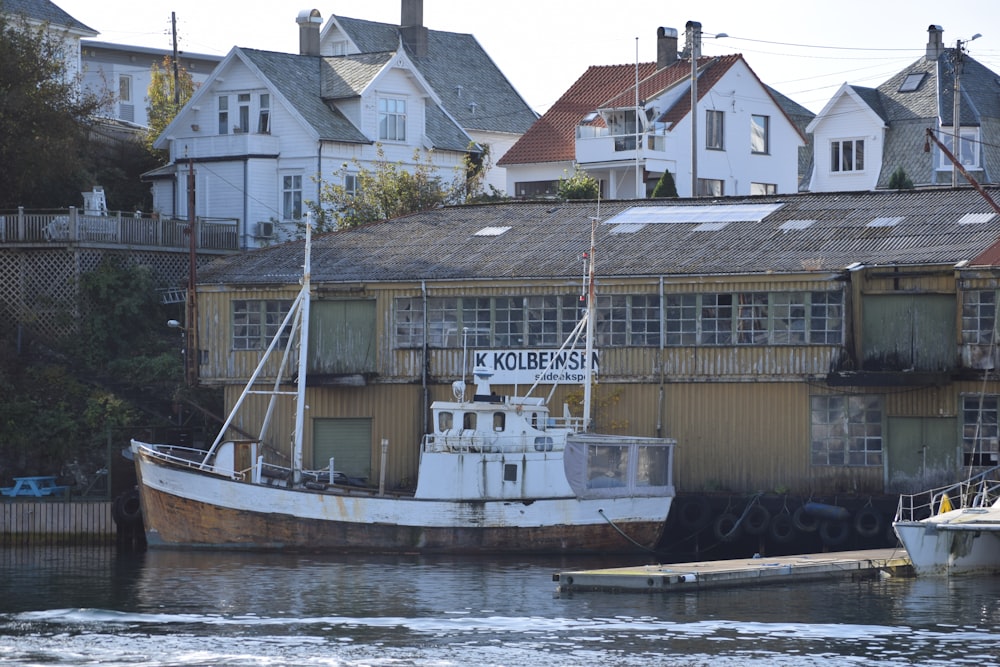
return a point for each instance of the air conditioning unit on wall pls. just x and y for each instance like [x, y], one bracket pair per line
[265, 230]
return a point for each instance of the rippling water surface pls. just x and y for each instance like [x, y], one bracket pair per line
[87, 607]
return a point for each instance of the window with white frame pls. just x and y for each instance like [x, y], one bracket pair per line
[711, 187]
[291, 197]
[968, 151]
[760, 134]
[847, 155]
[350, 184]
[979, 316]
[223, 114]
[264, 114]
[243, 101]
[391, 119]
[124, 88]
[715, 129]
[846, 430]
[763, 189]
[980, 430]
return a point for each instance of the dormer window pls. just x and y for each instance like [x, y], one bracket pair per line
[391, 119]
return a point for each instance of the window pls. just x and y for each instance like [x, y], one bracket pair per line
[350, 184]
[979, 310]
[848, 155]
[611, 322]
[763, 189]
[409, 320]
[291, 197]
[846, 430]
[391, 119]
[508, 320]
[682, 319]
[714, 122]
[264, 117]
[717, 319]
[543, 321]
[968, 147]
[711, 187]
[536, 188]
[256, 322]
[124, 88]
[980, 431]
[243, 99]
[912, 82]
[751, 318]
[760, 134]
[644, 320]
[223, 114]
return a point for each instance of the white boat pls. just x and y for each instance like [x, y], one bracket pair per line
[497, 475]
[955, 529]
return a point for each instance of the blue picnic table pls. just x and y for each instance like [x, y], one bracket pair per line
[42, 485]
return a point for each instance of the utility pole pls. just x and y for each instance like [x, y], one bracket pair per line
[177, 76]
[693, 38]
[956, 109]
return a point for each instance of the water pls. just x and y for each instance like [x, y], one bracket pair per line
[96, 607]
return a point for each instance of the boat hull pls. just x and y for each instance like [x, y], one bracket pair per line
[937, 551]
[189, 508]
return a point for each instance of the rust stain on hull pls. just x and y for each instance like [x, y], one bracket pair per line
[171, 521]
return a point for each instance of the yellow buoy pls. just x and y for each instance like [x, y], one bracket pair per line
[945, 504]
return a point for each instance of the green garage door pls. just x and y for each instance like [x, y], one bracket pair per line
[347, 441]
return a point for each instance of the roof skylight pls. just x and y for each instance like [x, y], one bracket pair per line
[693, 215]
[491, 231]
[911, 82]
[885, 222]
[976, 218]
[796, 224]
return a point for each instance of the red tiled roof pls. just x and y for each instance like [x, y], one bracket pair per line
[552, 138]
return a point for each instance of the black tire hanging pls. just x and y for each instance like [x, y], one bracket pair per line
[126, 509]
[695, 513]
[868, 522]
[782, 528]
[726, 527]
[805, 522]
[757, 520]
[833, 533]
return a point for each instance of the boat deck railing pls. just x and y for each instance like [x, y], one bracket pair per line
[186, 457]
[979, 491]
[478, 441]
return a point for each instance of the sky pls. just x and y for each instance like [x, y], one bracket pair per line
[804, 50]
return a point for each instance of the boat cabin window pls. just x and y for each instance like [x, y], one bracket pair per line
[534, 420]
[469, 421]
[653, 466]
[499, 421]
[607, 466]
[445, 421]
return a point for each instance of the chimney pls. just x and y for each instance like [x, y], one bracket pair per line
[935, 42]
[411, 27]
[309, 21]
[666, 47]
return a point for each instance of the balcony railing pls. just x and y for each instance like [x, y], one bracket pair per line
[70, 226]
[597, 144]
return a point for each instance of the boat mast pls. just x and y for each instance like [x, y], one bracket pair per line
[591, 310]
[300, 395]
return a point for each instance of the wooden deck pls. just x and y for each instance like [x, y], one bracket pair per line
[686, 577]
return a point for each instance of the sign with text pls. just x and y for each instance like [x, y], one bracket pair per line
[530, 366]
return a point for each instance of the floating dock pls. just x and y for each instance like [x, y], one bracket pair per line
[686, 577]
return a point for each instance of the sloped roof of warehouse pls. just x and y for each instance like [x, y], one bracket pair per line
[735, 235]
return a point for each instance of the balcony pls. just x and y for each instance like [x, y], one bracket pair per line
[598, 145]
[238, 143]
[70, 227]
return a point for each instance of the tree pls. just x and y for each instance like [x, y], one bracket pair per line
[580, 185]
[44, 119]
[167, 96]
[899, 180]
[665, 187]
[388, 190]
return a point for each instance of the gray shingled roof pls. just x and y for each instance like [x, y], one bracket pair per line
[297, 78]
[45, 12]
[471, 87]
[545, 239]
[909, 114]
[347, 76]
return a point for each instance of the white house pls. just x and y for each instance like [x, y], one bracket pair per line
[126, 72]
[267, 129]
[745, 140]
[40, 13]
[863, 135]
